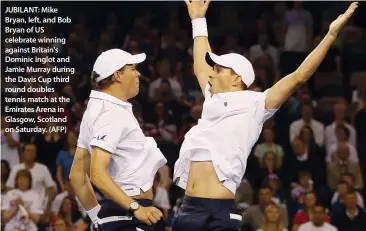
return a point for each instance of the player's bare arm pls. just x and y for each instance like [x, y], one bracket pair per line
[283, 89]
[100, 177]
[80, 180]
[197, 11]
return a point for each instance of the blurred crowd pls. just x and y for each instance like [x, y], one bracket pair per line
[307, 168]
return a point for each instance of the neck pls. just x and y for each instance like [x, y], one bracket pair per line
[29, 165]
[307, 120]
[320, 224]
[272, 226]
[113, 91]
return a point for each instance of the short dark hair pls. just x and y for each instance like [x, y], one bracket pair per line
[22, 147]
[265, 185]
[305, 173]
[351, 191]
[25, 173]
[307, 104]
[319, 205]
[102, 84]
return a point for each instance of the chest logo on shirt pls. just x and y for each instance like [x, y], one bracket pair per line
[225, 104]
[101, 137]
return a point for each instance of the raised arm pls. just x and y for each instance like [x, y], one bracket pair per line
[201, 45]
[284, 88]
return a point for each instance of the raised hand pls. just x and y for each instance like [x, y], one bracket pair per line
[197, 8]
[342, 19]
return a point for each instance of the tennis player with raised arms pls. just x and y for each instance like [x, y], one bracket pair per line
[213, 156]
[113, 150]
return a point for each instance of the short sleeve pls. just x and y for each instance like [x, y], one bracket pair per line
[262, 114]
[11, 180]
[82, 140]
[60, 157]
[48, 178]
[109, 129]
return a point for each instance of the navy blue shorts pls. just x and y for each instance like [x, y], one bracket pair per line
[112, 217]
[204, 214]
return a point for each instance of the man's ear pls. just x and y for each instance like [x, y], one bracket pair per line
[237, 81]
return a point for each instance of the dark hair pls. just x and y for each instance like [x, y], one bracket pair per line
[22, 147]
[7, 166]
[345, 130]
[351, 191]
[157, 176]
[74, 209]
[311, 192]
[266, 186]
[319, 205]
[25, 173]
[102, 84]
[304, 173]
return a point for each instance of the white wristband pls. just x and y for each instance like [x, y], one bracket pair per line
[199, 27]
[93, 213]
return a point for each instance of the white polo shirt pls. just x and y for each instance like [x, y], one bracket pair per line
[309, 226]
[109, 123]
[230, 125]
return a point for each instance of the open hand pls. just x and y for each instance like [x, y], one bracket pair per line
[197, 8]
[342, 19]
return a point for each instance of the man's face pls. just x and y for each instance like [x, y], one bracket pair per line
[129, 80]
[164, 69]
[298, 147]
[350, 201]
[339, 111]
[29, 153]
[342, 189]
[265, 196]
[309, 200]
[318, 216]
[222, 80]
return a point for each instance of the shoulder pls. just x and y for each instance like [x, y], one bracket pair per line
[31, 194]
[318, 123]
[296, 123]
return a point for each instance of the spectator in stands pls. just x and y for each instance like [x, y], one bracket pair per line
[22, 207]
[299, 33]
[279, 196]
[269, 145]
[342, 145]
[352, 217]
[306, 213]
[9, 144]
[347, 178]
[360, 125]
[317, 221]
[303, 160]
[244, 194]
[267, 167]
[338, 197]
[166, 129]
[339, 111]
[307, 136]
[307, 120]
[60, 225]
[263, 47]
[253, 216]
[65, 159]
[343, 164]
[272, 219]
[69, 212]
[156, 89]
[68, 192]
[42, 182]
[5, 171]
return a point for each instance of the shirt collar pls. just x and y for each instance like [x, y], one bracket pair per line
[303, 157]
[108, 97]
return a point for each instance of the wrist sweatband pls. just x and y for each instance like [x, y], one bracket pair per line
[199, 27]
[93, 213]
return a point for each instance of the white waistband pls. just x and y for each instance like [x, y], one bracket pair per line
[113, 219]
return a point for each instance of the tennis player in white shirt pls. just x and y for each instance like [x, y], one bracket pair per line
[122, 162]
[214, 153]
